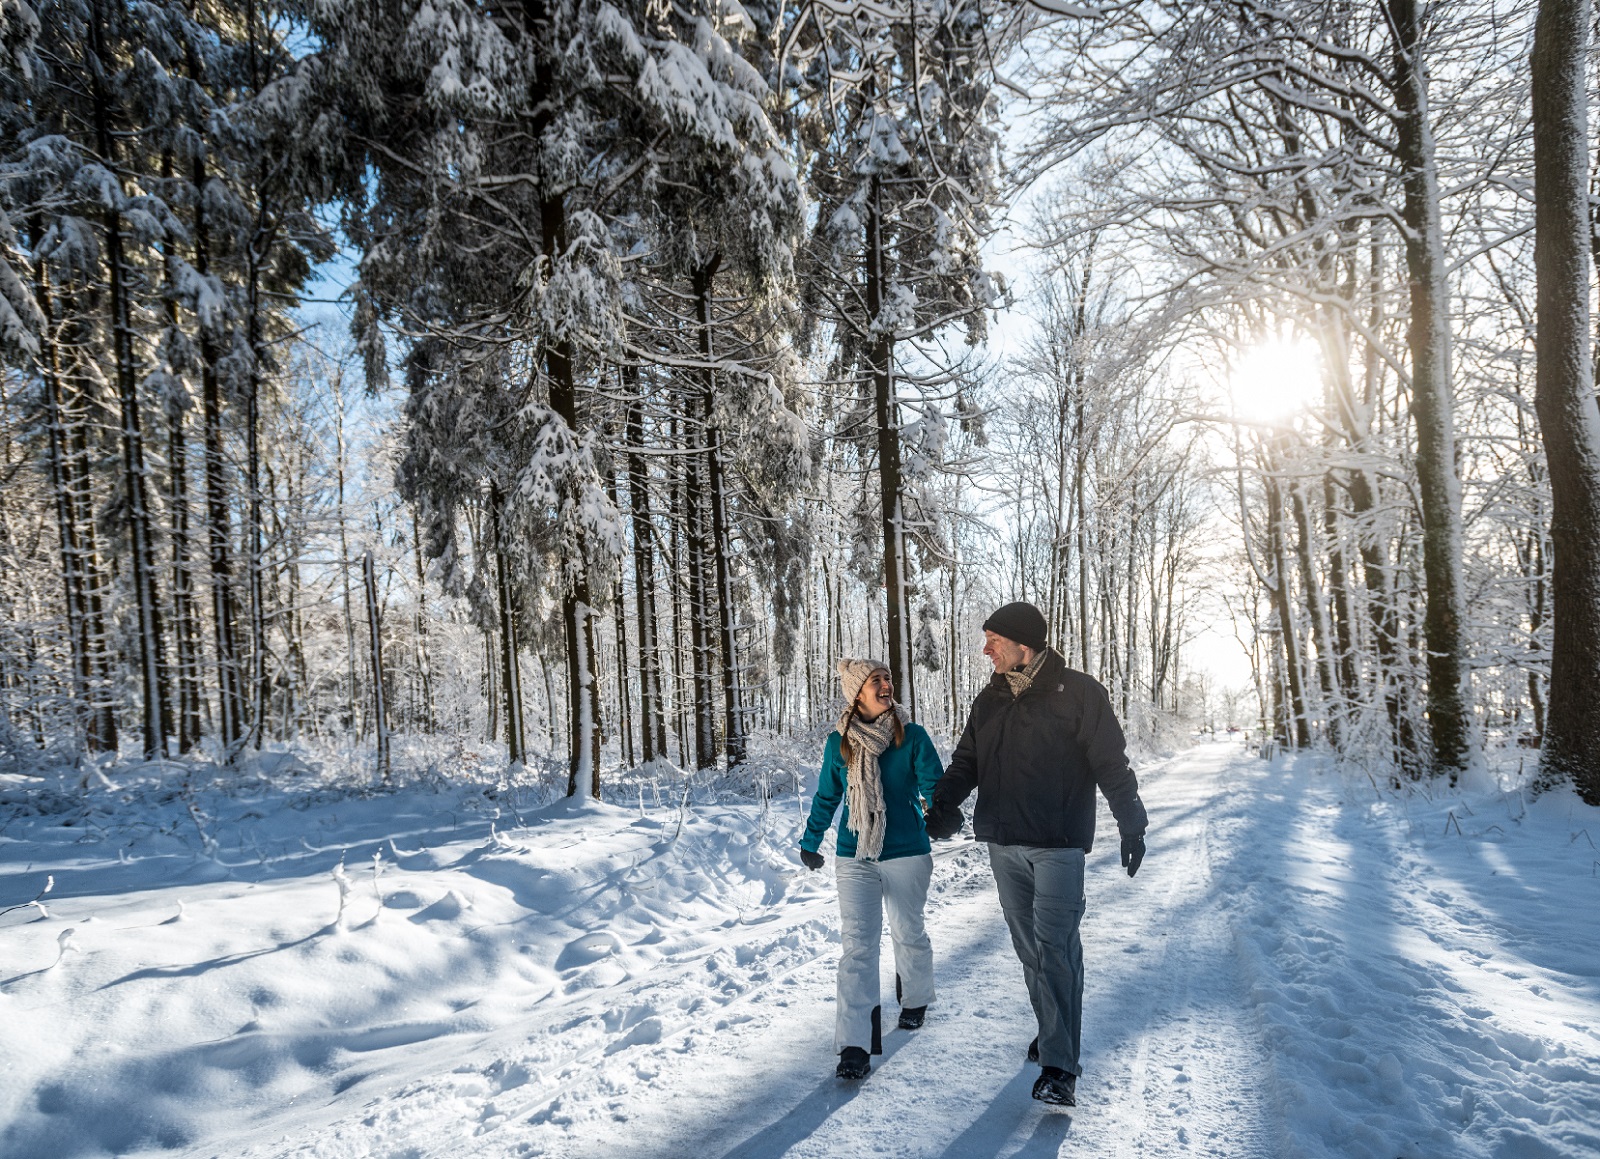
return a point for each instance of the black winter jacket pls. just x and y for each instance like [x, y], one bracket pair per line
[1035, 760]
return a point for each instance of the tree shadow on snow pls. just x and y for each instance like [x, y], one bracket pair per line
[775, 1140]
[1011, 1108]
[195, 969]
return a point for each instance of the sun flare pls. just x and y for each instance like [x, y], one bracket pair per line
[1276, 380]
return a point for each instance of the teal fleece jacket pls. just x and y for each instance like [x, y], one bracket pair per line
[910, 771]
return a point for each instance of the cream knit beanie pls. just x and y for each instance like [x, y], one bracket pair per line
[853, 674]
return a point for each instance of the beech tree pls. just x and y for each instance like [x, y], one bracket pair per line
[1568, 416]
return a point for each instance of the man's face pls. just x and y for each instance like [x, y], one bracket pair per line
[1003, 653]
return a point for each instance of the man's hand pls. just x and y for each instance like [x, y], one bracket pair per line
[942, 821]
[810, 860]
[1132, 853]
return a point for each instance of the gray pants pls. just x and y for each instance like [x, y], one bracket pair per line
[866, 890]
[1041, 892]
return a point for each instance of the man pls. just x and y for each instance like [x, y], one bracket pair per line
[1039, 738]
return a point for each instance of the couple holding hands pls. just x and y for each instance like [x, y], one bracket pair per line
[1039, 740]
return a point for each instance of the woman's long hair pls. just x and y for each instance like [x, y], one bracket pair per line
[848, 750]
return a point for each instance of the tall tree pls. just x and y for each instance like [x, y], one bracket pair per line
[899, 103]
[1565, 399]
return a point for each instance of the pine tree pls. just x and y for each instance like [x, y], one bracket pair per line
[899, 125]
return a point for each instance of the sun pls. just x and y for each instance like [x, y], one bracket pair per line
[1273, 382]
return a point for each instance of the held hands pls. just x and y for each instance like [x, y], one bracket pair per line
[1132, 853]
[942, 821]
[810, 860]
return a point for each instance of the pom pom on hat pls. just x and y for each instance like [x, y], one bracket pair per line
[1021, 622]
[853, 674]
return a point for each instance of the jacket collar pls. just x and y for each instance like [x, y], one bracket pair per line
[1049, 675]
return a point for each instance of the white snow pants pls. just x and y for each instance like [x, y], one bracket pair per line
[866, 890]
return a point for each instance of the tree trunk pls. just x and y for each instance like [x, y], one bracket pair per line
[880, 357]
[1565, 401]
[380, 711]
[352, 714]
[183, 611]
[510, 672]
[1432, 401]
[426, 717]
[619, 616]
[679, 480]
[491, 685]
[1531, 555]
[97, 576]
[230, 695]
[68, 520]
[155, 713]
[652, 720]
[698, 551]
[1316, 609]
[184, 630]
[1283, 606]
[255, 545]
[1339, 593]
[733, 710]
[1363, 489]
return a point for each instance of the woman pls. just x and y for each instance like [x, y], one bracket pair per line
[882, 767]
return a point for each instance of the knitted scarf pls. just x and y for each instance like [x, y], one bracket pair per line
[864, 782]
[1021, 681]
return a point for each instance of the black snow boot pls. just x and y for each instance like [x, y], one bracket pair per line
[1033, 1049]
[912, 1017]
[853, 1063]
[877, 1030]
[1057, 1087]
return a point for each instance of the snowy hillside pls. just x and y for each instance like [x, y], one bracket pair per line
[1303, 967]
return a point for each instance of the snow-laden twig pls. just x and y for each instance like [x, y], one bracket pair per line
[63, 944]
[377, 872]
[207, 842]
[49, 884]
[683, 809]
[342, 880]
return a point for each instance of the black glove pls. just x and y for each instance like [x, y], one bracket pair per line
[810, 860]
[942, 820]
[1132, 853]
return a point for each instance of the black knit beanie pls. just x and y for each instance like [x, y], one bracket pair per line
[1021, 622]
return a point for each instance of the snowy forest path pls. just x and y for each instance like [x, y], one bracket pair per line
[1174, 1065]
[1303, 967]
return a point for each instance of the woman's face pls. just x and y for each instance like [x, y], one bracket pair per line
[877, 694]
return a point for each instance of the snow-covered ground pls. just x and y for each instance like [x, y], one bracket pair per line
[1304, 966]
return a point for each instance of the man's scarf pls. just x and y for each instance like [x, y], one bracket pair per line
[1021, 681]
[864, 782]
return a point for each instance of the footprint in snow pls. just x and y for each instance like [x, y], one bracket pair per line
[646, 1033]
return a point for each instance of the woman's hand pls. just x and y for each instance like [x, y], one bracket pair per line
[810, 860]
